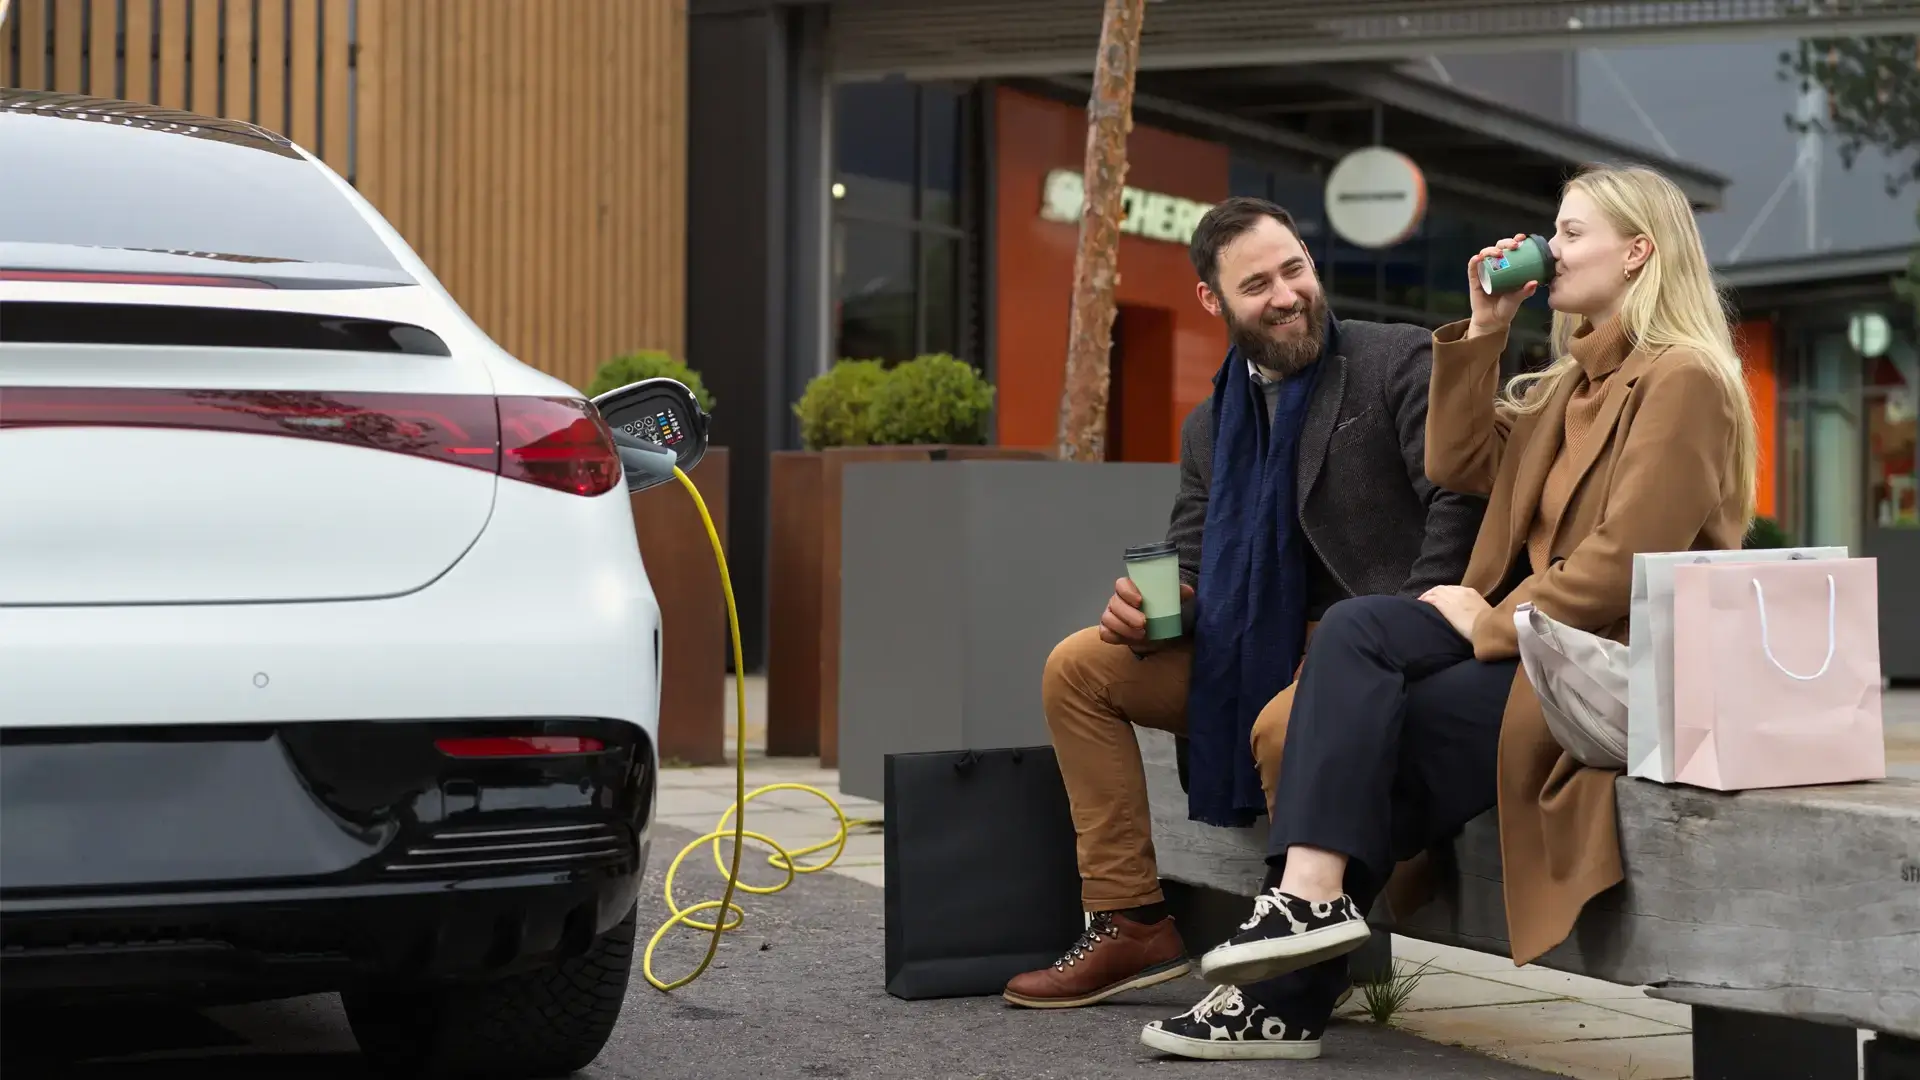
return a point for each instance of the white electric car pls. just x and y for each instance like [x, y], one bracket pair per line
[327, 658]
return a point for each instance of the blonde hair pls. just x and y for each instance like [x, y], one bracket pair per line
[1672, 301]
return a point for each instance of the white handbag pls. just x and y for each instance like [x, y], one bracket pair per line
[1581, 681]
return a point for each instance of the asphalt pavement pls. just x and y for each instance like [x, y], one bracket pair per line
[797, 992]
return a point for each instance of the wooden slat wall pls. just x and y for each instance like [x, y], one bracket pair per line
[282, 64]
[532, 151]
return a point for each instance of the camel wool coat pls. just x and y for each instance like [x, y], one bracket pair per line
[1655, 472]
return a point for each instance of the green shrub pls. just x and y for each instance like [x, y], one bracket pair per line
[834, 410]
[648, 364]
[1766, 533]
[932, 399]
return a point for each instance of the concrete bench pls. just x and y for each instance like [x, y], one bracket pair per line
[1786, 919]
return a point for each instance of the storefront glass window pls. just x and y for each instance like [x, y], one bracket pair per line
[1848, 427]
[874, 162]
[1452, 240]
[1833, 441]
[1246, 178]
[904, 221]
[1420, 280]
[1892, 394]
[940, 261]
[1790, 469]
[942, 112]
[1403, 273]
[1351, 275]
[1300, 192]
[1297, 191]
[875, 270]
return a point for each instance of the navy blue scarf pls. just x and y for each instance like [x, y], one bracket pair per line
[1252, 622]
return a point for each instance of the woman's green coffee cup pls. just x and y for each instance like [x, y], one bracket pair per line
[1511, 270]
[1155, 571]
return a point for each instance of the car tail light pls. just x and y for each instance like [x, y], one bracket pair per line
[518, 746]
[459, 429]
[557, 443]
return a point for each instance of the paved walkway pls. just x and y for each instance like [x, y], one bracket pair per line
[796, 992]
[800, 991]
[1533, 1016]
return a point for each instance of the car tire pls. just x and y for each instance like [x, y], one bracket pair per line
[550, 1021]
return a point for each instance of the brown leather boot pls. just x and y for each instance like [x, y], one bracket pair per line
[1116, 954]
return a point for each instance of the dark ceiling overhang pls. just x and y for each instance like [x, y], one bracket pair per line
[1464, 142]
[1824, 267]
[926, 39]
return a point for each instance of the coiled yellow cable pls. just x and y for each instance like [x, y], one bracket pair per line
[781, 859]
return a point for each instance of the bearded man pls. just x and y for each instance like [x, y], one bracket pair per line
[1302, 482]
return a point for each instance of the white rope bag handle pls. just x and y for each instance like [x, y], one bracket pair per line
[1760, 597]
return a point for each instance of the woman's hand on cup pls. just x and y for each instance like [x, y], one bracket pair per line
[1125, 620]
[1493, 314]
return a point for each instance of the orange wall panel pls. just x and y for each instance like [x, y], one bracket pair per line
[1034, 280]
[1755, 341]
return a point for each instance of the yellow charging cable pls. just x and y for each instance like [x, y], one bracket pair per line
[781, 859]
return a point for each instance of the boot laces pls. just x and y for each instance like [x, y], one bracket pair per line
[1099, 927]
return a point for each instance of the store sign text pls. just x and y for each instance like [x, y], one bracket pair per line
[1145, 213]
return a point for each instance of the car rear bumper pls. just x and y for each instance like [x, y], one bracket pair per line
[245, 945]
[295, 858]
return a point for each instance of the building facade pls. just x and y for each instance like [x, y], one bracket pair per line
[955, 217]
[765, 186]
[534, 154]
[1807, 249]
[884, 216]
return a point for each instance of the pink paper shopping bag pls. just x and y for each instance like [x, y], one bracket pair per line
[1776, 674]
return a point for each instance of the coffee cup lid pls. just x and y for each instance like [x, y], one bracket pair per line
[1152, 551]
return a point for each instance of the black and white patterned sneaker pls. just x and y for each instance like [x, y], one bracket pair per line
[1227, 1025]
[1285, 934]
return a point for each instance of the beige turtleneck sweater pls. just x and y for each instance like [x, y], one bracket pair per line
[1599, 352]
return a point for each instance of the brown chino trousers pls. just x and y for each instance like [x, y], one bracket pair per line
[1093, 693]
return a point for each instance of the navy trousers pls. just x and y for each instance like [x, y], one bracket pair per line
[1391, 747]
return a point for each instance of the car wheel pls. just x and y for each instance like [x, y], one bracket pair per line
[547, 1022]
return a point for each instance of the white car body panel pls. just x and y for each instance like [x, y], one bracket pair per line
[202, 517]
[544, 611]
[549, 614]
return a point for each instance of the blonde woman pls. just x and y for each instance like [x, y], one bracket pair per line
[1410, 717]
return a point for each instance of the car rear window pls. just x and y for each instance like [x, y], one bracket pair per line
[96, 180]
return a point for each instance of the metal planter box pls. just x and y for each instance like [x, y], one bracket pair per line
[958, 580]
[694, 721]
[803, 588]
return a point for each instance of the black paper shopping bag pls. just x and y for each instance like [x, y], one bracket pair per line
[982, 883]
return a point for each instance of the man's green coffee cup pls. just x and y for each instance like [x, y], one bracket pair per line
[1155, 571]
[1510, 270]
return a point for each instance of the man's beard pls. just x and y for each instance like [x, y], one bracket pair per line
[1276, 357]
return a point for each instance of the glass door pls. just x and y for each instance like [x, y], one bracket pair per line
[1847, 457]
[1834, 442]
[1891, 394]
[1892, 407]
[1847, 431]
